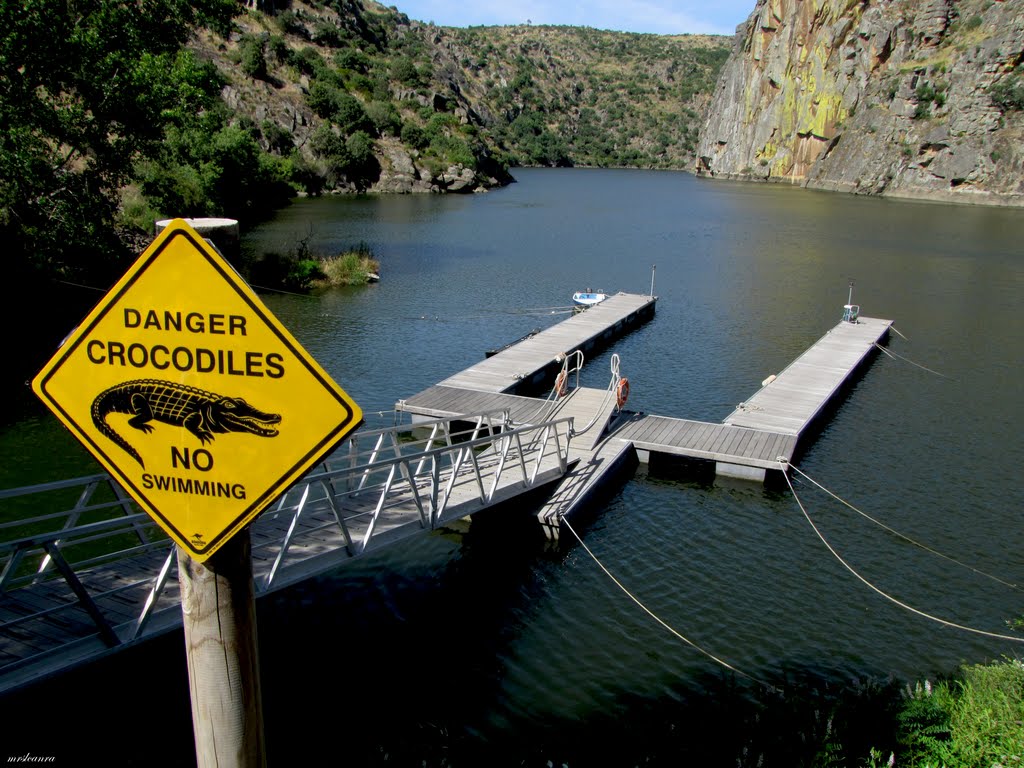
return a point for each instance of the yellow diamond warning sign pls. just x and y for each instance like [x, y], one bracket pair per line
[192, 394]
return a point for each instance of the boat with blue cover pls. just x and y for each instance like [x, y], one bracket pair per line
[588, 298]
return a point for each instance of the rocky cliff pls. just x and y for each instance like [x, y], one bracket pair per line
[895, 97]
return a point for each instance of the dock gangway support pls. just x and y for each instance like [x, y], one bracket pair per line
[83, 571]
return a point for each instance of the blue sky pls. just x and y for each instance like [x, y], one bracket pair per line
[665, 17]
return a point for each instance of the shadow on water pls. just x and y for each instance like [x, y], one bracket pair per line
[398, 660]
[405, 672]
[128, 709]
[375, 666]
[712, 721]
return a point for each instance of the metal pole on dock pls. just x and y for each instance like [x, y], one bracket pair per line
[653, 267]
[218, 608]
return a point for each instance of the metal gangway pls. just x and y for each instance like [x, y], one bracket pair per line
[92, 573]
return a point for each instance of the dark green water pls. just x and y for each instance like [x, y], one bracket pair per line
[479, 646]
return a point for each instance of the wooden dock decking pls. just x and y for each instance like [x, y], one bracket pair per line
[443, 401]
[768, 425]
[703, 440]
[749, 441]
[526, 365]
[799, 393]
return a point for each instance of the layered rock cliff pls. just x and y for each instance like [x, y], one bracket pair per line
[913, 99]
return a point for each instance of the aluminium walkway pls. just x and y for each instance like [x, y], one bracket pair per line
[99, 576]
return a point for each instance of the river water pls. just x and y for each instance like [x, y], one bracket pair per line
[480, 645]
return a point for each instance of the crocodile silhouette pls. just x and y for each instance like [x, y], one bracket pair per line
[201, 413]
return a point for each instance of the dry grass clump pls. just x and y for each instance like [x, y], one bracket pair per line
[355, 267]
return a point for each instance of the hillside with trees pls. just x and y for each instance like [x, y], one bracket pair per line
[114, 115]
[362, 98]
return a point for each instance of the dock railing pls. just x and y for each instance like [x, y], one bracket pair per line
[79, 561]
[572, 364]
[610, 394]
[390, 477]
[566, 380]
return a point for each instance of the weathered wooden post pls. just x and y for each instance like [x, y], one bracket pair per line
[218, 608]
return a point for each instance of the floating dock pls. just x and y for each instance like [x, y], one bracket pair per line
[527, 366]
[747, 444]
[768, 425]
[577, 445]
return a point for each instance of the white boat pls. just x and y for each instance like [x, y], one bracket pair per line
[588, 298]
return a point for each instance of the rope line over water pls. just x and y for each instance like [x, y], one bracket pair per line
[872, 587]
[563, 309]
[650, 613]
[906, 538]
[87, 287]
[892, 354]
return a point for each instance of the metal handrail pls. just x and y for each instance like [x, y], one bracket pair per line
[608, 395]
[572, 363]
[421, 482]
[410, 473]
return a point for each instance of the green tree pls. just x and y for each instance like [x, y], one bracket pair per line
[385, 117]
[253, 60]
[404, 71]
[86, 88]
[350, 115]
[322, 98]
[362, 163]
[83, 88]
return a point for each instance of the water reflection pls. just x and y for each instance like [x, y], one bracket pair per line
[482, 643]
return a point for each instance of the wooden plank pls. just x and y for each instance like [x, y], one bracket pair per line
[740, 448]
[664, 427]
[804, 388]
[504, 371]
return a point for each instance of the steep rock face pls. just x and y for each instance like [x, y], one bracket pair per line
[887, 97]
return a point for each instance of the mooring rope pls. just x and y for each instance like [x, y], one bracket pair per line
[893, 328]
[906, 538]
[650, 613]
[782, 464]
[281, 291]
[892, 354]
[540, 312]
[87, 287]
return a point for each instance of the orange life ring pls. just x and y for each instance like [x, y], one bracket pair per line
[561, 383]
[622, 392]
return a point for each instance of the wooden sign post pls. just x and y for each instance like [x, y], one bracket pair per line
[202, 405]
[218, 608]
